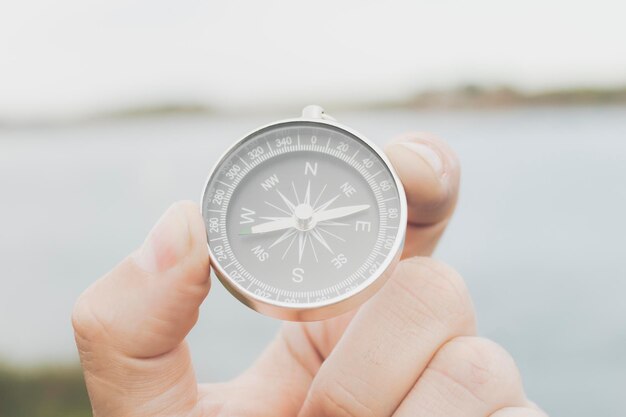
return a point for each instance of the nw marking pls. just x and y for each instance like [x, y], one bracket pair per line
[270, 182]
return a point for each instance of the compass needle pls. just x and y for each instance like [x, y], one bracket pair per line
[272, 226]
[339, 212]
[304, 218]
[331, 223]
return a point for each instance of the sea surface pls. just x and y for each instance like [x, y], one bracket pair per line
[539, 235]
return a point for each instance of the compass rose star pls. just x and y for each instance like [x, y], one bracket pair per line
[321, 239]
[307, 194]
[283, 237]
[289, 204]
[326, 204]
[301, 245]
[305, 222]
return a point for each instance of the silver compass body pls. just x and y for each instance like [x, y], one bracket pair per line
[305, 218]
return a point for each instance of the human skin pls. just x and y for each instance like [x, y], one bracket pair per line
[412, 349]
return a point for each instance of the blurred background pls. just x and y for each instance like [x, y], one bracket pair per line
[111, 110]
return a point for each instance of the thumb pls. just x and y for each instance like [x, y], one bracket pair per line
[130, 324]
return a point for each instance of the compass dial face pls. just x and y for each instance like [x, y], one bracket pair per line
[301, 215]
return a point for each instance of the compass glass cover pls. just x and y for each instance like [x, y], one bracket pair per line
[301, 213]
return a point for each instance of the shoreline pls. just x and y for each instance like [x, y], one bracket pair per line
[469, 97]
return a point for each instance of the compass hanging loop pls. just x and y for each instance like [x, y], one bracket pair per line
[314, 111]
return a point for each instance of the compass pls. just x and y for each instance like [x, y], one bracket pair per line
[305, 218]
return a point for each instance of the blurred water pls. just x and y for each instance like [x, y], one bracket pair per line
[540, 235]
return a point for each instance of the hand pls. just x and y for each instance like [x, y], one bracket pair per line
[410, 350]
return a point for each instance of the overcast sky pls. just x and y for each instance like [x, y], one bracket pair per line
[73, 57]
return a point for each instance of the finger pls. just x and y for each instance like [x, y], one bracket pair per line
[430, 173]
[429, 170]
[391, 340]
[467, 373]
[519, 412]
[130, 324]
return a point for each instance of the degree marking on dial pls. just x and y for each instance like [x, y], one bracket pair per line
[244, 162]
[223, 183]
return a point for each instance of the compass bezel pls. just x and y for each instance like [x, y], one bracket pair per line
[318, 310]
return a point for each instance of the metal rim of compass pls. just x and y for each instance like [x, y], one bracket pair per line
[335, 306]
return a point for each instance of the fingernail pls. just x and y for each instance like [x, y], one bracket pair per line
[428, 154]
[166, 244]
